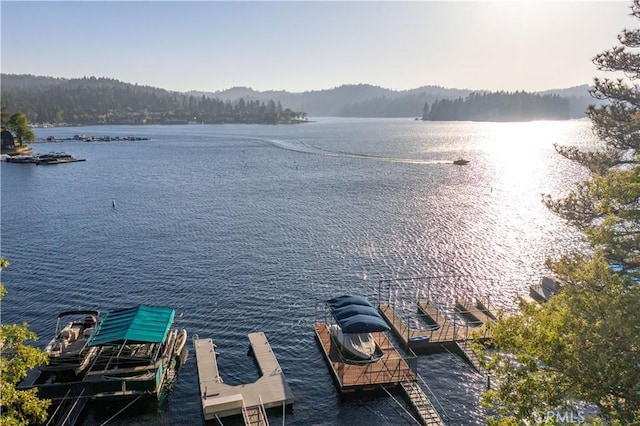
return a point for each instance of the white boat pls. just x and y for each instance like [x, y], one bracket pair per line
[131, 353]
[356, 320]
[21, 158]
[360, 345]
[68, 351]
[181, 340]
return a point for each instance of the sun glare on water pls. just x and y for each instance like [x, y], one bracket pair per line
[519, 153]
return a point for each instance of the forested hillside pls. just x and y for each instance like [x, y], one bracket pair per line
[409, 105]
[364, 100]
[107, 101]
[102, 100]
[499, 106]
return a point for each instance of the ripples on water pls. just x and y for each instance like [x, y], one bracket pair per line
[245, 228]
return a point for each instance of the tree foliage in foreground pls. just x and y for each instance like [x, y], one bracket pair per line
[583, 346]
[580, 346]
[19, 407]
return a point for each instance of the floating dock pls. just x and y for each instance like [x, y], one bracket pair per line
[484, 304]
[251, 400]
[431, 340]
[440, 335]
[389, 371]
[472, 312]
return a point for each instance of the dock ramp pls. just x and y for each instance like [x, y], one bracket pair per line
[421, 404]
[255, 416]
[471, 356]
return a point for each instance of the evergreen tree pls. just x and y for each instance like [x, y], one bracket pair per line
[500, 106]
[606, 206]
[5, 114]
[425, 111]
[584, 344]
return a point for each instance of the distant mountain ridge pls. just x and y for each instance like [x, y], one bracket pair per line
[365, 100]
[350, 100]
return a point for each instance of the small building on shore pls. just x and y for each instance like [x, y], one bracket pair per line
[12, 145]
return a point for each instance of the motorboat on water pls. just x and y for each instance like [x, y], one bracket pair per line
[361, 345]
[129, 353]
[136, 353]
[56, 158]
[461, 162]
[181, 340]
[356, 321]
[21, 158]
[67, 350]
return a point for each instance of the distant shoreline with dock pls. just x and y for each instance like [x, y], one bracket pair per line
[84, 138]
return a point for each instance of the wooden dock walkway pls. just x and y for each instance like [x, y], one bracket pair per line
[447, 330]
[445, 336]
[421, 404]
[387, 372]
[475, 315]
[424, 341]
[484, 304]
[221, 400]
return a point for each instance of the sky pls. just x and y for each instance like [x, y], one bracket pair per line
[300, 46]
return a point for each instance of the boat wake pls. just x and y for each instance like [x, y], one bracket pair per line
[298, 146]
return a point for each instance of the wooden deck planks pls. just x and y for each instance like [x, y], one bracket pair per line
[445, 332]
[432, 312]
[474, 313]
[389, 371]
[207, 365]
[263, 353]
[421, 404]
[484, 304]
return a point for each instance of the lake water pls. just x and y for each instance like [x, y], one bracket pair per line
[245, 228]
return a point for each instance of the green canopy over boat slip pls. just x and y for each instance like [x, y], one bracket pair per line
[143, 324]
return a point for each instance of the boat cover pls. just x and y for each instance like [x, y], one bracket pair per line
[351, 310]
[79, 312]
[339, 302]
[355, 314]
[142, 324]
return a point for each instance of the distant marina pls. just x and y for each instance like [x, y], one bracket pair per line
[42, 159]
[85, 138]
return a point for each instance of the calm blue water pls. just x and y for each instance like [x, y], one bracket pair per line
[245, 228]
